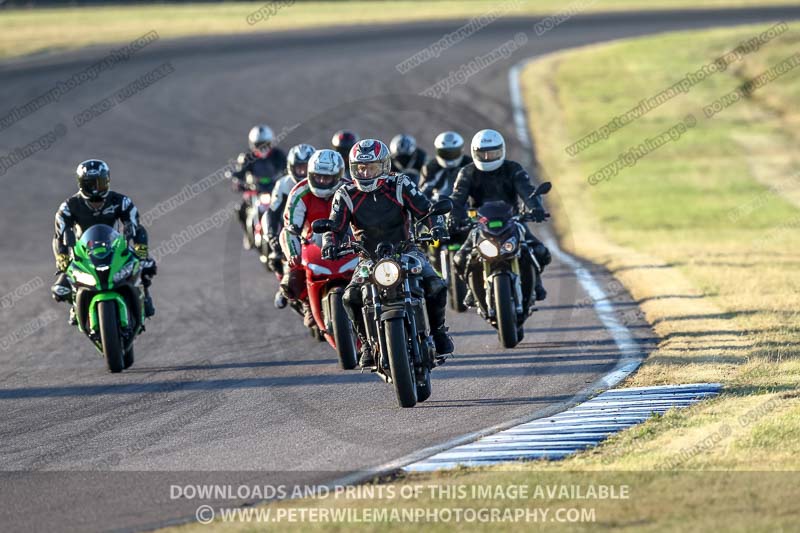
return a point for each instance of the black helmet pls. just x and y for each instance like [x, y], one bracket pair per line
[343, 141]
[93, 179]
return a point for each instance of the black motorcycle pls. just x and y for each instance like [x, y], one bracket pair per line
[442, 255]
[497, 276]
[394, 310]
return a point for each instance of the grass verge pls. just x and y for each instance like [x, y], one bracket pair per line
[703, 232]
[29, 31]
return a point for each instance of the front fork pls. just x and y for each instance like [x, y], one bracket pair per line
[488, 279]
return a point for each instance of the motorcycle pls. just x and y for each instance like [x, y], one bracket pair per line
[498, 285]
[444, 253]
[394, 310]
[325, 283]
[256, 198]
[108, 297]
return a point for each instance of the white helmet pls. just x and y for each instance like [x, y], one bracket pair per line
[325, 171]
[488, 150]
[375, 161]
[260, 139]
[449, 147]
[297, 161]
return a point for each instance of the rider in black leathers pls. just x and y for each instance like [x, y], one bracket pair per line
[95, 204]
[379, 206]
[258, 169]
[438, 175]
[499, 180]
[407, 157]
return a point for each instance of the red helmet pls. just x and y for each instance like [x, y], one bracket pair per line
[343, 141]
[370, 161]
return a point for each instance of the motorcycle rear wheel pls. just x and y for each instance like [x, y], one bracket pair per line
[342, 333]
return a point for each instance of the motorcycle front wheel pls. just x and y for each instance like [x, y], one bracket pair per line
[109, 335]
[506, 311]
[402, 374]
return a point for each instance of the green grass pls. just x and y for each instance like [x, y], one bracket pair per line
[723, 295]
[30, 31]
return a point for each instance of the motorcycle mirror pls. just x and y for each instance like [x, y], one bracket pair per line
[441, 207]
[69, 238]
[322, 225]
[543, 188]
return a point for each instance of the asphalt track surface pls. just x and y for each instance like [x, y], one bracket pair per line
[227, 389]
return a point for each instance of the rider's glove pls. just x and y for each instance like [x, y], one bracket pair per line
[62, 262]
[539, 215]
[329, 252]
[140, 250]
[438, 233]
[275, 244]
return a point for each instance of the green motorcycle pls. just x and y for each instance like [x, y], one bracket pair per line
[108, 297]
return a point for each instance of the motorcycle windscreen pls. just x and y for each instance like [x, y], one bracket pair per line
[100, 240]
[494, 218]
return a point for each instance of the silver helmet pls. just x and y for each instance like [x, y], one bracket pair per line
[370, 161]
[449, 147]
[297, 161]
[325, 171]
[260, 139]
[488, 150]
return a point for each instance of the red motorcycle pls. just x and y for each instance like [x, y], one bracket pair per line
[325, 283]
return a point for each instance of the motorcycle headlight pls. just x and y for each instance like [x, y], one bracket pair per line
[488, 248]
[264, 198]
[84, 278]
[319, 270]
[510, 245]
[124, 273]
[386, 273]
[350, 265]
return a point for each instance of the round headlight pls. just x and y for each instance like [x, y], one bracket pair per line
[510, 245]
[264, 198]
[488, 248]
[386, 273]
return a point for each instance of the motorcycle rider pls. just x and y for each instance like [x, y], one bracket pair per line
[378, 206]
[342, 142]
[296, 171]
[407, 158]
[95, 204]
[308, 201]
[256, 171]
[492, 177]
[439, 174]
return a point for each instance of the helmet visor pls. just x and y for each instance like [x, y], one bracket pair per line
[97, 184]
[368, 171]
[488, 155]
[262, 148]
[448, 154]
[323, 181]
[300, 170]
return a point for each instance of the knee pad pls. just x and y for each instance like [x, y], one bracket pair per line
[293, 284]
[542, 255]
[352, 297]
[434, 285]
